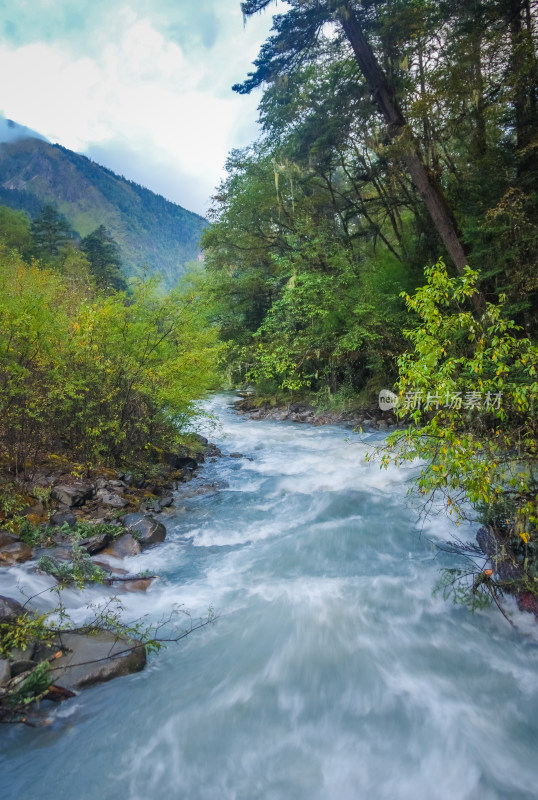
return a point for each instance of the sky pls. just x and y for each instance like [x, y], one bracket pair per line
[140, 86]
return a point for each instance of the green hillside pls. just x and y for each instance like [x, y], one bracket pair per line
[153, 234]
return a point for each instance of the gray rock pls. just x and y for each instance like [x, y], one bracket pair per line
[22, 665]
[7, 538]
[166, 502]
[111, 499]
[14, 553]
[10, 609]
[5, 671]
[64, 552]
[73, 495]
[123, 547]
[120, 486]
[95, 544]
[147, 530]
[236, 455]
[62, 517]
[37, 508]
[94, 658]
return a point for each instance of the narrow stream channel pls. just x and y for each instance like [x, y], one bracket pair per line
[332, 673]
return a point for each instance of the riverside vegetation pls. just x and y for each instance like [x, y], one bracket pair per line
[396, 134]
[98, 391]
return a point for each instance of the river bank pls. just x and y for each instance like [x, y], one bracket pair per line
[332, 671]
[79, 531]
[367, 417]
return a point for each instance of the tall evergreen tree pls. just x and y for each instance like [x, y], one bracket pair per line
[103, 253]
[50, 231]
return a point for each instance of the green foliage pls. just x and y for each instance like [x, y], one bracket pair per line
[470, 388]
[80, 570]
[98, 378]
[103, 254]
[318, 227]
[35, 685]
[15, 230]
[50, 232]
[19, 634]
[478, 386]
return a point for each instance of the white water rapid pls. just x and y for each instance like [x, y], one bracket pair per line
[332, 673]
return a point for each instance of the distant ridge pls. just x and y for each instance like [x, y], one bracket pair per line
[154, 235]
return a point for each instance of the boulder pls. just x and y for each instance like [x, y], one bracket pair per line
[73, 494]
[5, 671]
[63, 517]
[7, 538]
[120, 486]
[37, 510]
[15, 553]
[111, 499]
[236, 455]
[95, 544]
[22, 665]
[185, 463]
[96, 657]
[63, 552]
[123, 547]
[10, 609]
[147, 530]
[140, 585]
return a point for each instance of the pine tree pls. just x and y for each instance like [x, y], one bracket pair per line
[103, 254]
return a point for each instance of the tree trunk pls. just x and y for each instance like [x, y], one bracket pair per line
[388, 105]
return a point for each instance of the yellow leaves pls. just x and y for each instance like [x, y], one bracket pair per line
[525, 536]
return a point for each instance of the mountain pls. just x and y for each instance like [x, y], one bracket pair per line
[153, 234]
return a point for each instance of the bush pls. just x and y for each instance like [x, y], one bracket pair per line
[99, 378]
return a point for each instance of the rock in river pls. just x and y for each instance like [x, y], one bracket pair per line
[96, 657]
[125, 546]
[146, 529]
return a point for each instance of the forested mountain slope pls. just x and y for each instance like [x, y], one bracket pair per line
[154, 235]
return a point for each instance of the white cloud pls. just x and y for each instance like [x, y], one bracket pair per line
[138, 87]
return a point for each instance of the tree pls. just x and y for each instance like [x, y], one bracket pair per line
[470, 388]
[50, 231]
[297, 32]
[15, 230]
[103, 254]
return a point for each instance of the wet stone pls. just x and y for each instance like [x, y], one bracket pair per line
[148, 531]
[15, 553]
[23, 665]
[5, 671]
[9, 609]
[94, 658]
[7, 538]
[123, 547]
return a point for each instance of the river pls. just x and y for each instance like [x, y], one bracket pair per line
[331, 672]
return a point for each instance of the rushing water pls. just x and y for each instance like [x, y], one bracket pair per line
[331, 672]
